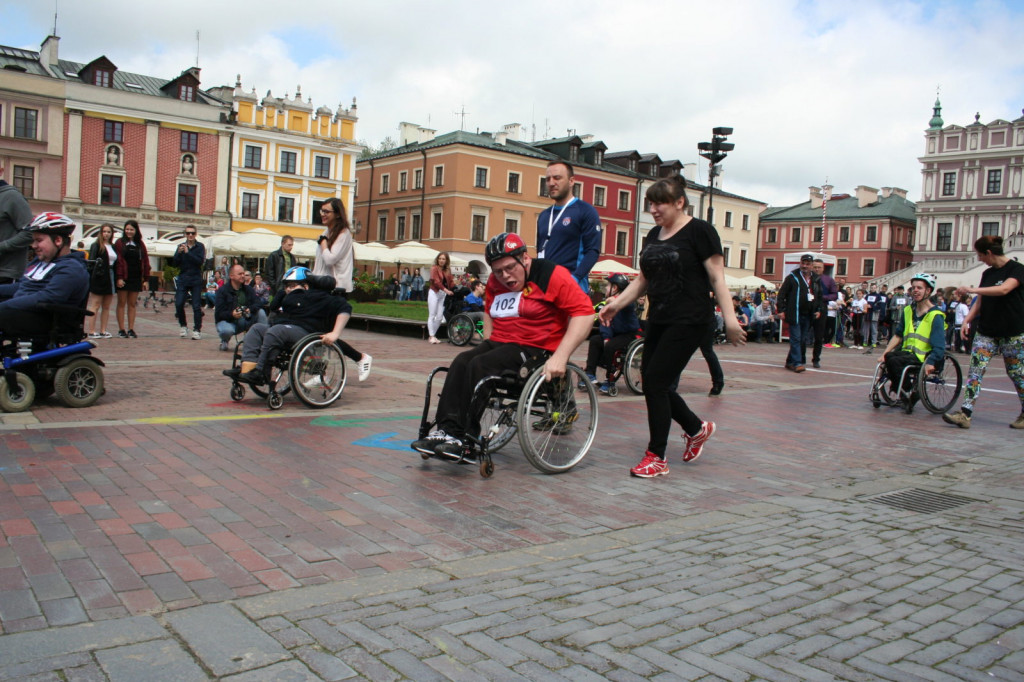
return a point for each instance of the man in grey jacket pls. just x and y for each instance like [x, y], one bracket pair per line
[15, 214]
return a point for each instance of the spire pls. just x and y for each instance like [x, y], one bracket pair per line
[936, 122]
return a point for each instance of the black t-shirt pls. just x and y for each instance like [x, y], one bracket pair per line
[1003, 316]
[312, 309]
[677, 283]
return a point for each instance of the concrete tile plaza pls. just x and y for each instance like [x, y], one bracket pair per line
[170, 533]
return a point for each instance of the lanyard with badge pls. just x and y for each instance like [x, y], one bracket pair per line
[553, 220]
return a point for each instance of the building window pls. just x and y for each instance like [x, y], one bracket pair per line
[285, 209]
[435, 227]
[897, 265]
[944, 237]
[253, 156]
[513, 183]
[621, 239]
[623, 200]
[417, 227]
[512, 225]
[110, 190]
[25, 123]
[574, 153]
[743, 259]
[795, 235]
[995, 182]
[417, 179]
[746, 222]
[868, 269]
[543, 191]
[772, 236]
[818, 234]
[403, 182]
[599, 196]
[481, 177]
[400, 228]
[438, 176]
[726, 252]
[769, 266]
[948, 184]
[186, 93]
[25, 181]
[322, 167]
[187, 198]
[728, 218]
[871, 233]
[479, 231]
[844, 233]
[840, 267]
[987, 229]
[250, 205]
[577, 189]
[113, 131]
[102, 78]
[382, 227]
[385, 183]
[315, 215]
[288, 160]
[189, 141]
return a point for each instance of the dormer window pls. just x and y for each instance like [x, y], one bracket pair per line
[574, 153]
[102, 78]
[598, 157]
[186, 93]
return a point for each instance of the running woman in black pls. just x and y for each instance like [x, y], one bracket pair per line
[680, 263]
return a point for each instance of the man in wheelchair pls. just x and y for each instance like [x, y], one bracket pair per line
[609, 339]
[303, 310]
[919, 333]
[532, 307]
[57, 275]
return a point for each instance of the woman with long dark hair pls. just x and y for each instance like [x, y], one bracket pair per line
[441, 284]
[998, 316]
[680, 263]
[101, 283]
[132, 274]
[334, 257]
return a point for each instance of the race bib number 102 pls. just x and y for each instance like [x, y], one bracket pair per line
[506, 305]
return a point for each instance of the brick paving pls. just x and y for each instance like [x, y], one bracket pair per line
[144, 527]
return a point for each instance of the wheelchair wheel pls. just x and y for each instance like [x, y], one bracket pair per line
[79, 383]
[557, 425]
[279, 378]
[881, 388]
[940, 391]
[461, 329]
[17, 396]
[503, 417]
[317, 372]
[631, 366]
[274, 400]
[237, 391]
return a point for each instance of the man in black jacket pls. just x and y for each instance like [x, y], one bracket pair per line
[279, 262]
[800, 303]
[237, 306]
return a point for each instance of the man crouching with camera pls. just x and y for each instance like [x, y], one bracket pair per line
[238, 307]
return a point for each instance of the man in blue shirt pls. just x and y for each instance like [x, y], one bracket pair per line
[569, 232]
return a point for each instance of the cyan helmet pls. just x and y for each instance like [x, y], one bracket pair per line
[927, 278]
[297, 273]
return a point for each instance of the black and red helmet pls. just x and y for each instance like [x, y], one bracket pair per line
[504, 244]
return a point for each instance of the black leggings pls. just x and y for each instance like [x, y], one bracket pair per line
[600, 353]
[667, 349]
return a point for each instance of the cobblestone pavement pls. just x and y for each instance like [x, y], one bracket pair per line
[168, 533]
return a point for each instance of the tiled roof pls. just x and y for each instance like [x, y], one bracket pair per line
[893, 206]
[21, 60]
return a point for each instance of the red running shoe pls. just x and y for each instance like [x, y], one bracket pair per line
[650, 466]
[695, 444]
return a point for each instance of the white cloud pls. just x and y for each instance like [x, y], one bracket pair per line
[814, 89]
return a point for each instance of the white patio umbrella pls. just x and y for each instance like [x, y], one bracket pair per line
[754, 281]
[606, 267]
[373, 252]
[304, 248]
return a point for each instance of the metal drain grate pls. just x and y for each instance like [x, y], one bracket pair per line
[923, 501]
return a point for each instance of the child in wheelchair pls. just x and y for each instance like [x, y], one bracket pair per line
[918, 339]
[609, 339]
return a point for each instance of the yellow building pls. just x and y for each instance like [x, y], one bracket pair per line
[287, 158]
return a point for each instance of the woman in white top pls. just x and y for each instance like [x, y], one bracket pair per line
[334, 257]
[101, 283]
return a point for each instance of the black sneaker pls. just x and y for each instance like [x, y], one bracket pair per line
[454, 449]
[121, 334]
[435, 438]
[815, 364]
[233, 372]
[132, 334]
[253, 377]
[716, 389]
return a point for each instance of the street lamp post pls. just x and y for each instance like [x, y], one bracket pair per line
[714, 152]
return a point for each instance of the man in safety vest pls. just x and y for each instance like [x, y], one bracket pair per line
[920, 333]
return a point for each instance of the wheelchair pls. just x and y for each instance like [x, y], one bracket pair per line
[626, 364]
[555, 426]
[938, 392]
[466, 327]
[314, 371]
[59, 362]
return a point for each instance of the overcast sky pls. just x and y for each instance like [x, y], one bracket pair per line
[814, 90]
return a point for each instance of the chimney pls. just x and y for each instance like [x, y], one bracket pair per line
[500, 137]
[865, 195]
[690, 171]
[886, 191]
[513, 131]
[900, 192]
[826, 191]
[413, 133]
[48, 52]
[816, 197]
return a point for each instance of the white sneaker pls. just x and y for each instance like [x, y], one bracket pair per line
[184, 332]
[197, 335]
[364, 366]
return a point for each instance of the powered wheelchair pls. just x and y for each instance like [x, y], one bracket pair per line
[58, 362]
[938, 392]
[555, 426]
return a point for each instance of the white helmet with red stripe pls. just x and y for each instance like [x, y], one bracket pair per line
[52, 223]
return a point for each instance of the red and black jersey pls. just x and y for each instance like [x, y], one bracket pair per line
[538, 315]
